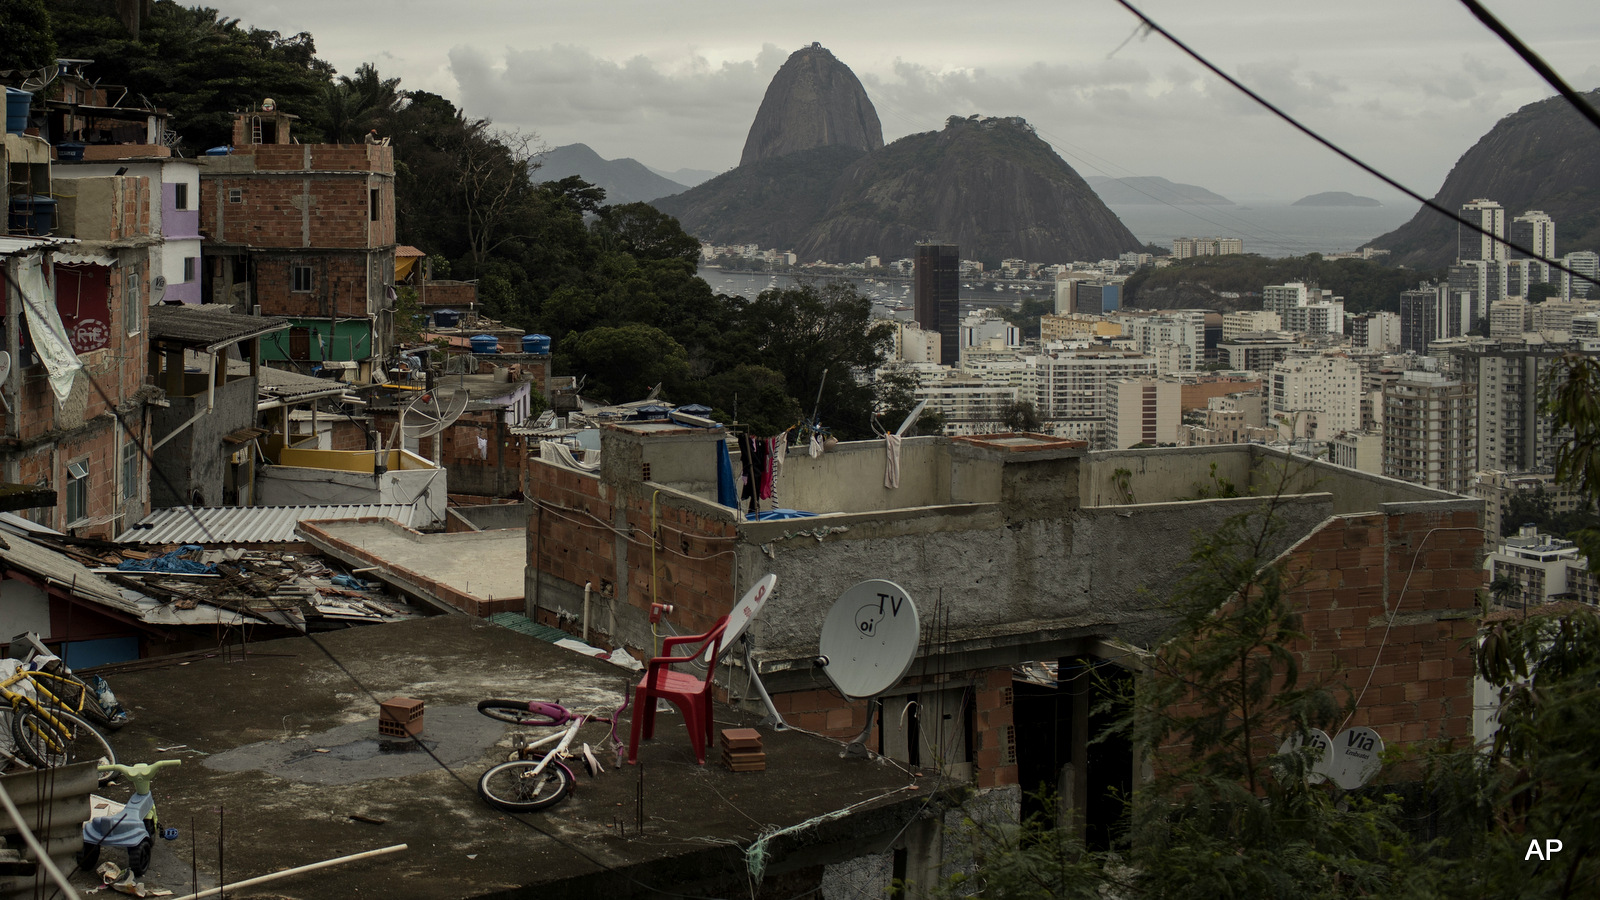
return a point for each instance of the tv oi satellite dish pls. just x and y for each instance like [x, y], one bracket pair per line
[870, 638]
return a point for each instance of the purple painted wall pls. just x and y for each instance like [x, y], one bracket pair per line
[180, 223]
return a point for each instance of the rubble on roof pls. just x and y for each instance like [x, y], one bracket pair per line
[230, 586]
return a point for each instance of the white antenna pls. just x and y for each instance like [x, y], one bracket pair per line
[869, 640]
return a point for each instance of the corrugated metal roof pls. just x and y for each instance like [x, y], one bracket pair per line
[12, 245]
[247, 524]
[210, 327]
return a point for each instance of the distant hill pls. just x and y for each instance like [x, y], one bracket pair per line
[1335, 198]
[814, 100]
[685, 177]
[624, 180]
[989, 185]
[816, 178]
[1540, 157]
[1139, 190]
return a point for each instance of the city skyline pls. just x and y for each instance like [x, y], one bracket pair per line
[1407, 87]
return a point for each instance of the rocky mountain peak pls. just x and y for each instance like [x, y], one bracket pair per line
[813, 101]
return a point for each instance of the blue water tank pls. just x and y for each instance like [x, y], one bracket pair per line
[32, 214]
[446, 318]
[536, 343]
[485, 343]
[69, 152]
[17, 105]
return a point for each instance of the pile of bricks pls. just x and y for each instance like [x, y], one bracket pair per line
[741, 750]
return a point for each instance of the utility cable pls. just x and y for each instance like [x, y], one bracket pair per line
[1535, 61]
[1345, 154]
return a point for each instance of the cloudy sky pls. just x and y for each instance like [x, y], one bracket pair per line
[1406, 84]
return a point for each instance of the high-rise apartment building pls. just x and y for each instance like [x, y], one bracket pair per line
[936, 298]
[1324, 388]
[1511, 433]
[1428, 422]
[1304, 308]
[1432, 312]
[1535, 232]
[1072, 387]
[1484, 279]
[1583, 262]
[1142, 411]
[1489, 216]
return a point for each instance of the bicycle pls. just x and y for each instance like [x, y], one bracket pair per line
[46, 725]
[538, 778]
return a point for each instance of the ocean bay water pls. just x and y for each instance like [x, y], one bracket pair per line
[1267, 229]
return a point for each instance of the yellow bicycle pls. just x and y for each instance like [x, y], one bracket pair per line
[46, 723]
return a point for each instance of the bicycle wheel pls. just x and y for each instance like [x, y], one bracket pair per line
[67, 739]
[516, 787]
[517, 712]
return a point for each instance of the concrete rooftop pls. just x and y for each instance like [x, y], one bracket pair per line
[253, 728]
[478, 572]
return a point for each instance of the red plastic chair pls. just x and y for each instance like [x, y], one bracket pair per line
[688, 693]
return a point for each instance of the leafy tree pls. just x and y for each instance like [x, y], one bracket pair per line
[1542, 290]
[823, 342]
[200, 66]
[624, 363]
[897, 397]
[1021, 415]
[1026, 315]
[354, 106]
[1571, 397]
[644, 232]
[753, 396]
[29, 42]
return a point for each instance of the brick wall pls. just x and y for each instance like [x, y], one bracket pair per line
[1421, 666]
[338, 285]
[1347, 578]
[315, 210]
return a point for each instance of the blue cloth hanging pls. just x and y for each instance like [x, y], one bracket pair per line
[727, 491]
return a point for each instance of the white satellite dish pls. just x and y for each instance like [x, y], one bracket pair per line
[869, 641]
[748, 608]
[432, 418]
[1321, 745]
[5, 365]
[158, 289]
[1355, 757]
[869, 638]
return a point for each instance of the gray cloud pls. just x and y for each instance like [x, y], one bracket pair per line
[1408, 85]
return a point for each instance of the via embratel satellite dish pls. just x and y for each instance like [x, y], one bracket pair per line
[1355, 757]
[1320, 744]
[1349, 760]
[869, 640]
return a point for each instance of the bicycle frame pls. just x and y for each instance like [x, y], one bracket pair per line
[18, 699]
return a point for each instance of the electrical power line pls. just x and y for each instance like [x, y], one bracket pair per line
[1347, 155]
[1535, 61]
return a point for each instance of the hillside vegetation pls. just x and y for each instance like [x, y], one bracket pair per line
[1200, 282]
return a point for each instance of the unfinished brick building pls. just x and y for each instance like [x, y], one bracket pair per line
[303, 231]
[1016, 549]
[74, 323]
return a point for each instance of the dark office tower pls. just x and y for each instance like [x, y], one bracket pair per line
[937, 298]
